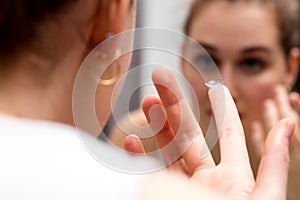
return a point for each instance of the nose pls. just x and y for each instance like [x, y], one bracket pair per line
[230, 81]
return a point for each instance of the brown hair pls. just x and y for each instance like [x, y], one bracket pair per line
[287, 13]
[19, 21]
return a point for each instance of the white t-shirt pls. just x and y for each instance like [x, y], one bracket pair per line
[45, 160]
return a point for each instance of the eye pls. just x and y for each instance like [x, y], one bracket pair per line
[252, 65]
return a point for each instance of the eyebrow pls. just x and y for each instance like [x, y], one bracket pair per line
[252, 49]
[256, 48]
[207, 46]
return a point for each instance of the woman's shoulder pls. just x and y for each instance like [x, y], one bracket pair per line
[45, 156]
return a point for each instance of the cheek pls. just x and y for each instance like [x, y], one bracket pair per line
[251, 101]
[261, 86]
[257, 93]
[253, 95]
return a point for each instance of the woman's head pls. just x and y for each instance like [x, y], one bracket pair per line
[50, 27]
[253, 44]
[286, 16]
[43, 44]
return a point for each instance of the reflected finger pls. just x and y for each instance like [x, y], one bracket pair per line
[295, 101]
[257, 138]
[271, 115]
[282, 100]
[188, 135]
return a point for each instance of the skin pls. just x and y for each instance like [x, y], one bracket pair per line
[243, 40]
[50, 84]
[223, 181]
[254, 68]
[49, 98]
[247, 52]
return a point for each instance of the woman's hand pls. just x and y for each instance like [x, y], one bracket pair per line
[233, 177]
[281, 106]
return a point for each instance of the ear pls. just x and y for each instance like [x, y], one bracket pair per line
[293, 66]
[121, 16]
[114, 16]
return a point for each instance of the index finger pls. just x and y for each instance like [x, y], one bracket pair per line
[229, 126]
[182, 121]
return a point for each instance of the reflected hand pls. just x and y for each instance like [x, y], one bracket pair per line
[282, 106]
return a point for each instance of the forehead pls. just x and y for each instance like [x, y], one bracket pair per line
[242, 23]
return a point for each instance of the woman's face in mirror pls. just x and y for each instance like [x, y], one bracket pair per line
[243, 40]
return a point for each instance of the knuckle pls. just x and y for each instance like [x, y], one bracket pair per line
[232, 131]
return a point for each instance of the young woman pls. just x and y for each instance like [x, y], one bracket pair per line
[255, 44]
[43, 44]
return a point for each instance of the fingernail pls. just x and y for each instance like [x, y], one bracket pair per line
[289, 128]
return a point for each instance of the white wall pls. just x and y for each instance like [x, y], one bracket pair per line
[168, 14]
[164, 13]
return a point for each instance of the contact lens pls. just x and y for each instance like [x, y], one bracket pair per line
[213, 83]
